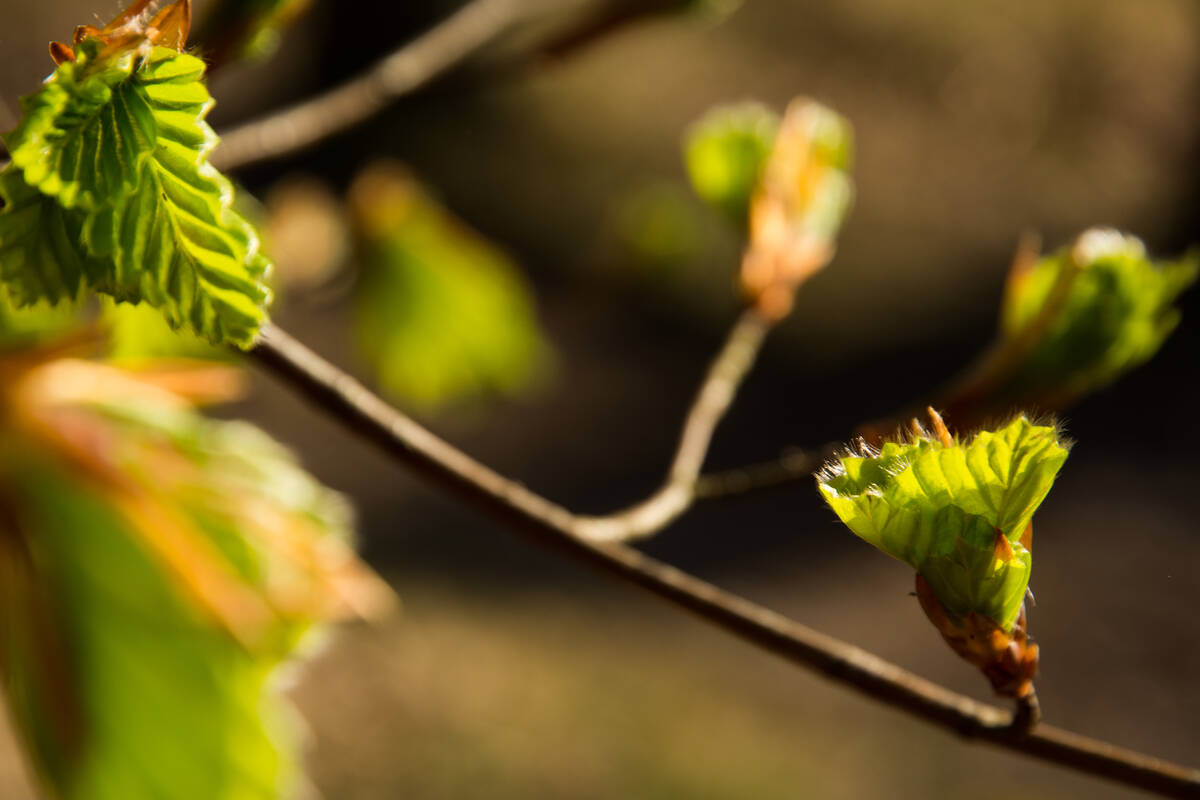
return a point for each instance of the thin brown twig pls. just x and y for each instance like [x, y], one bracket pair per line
[406, 69]
[1028, 714]
[345, 400]
[678, 492]
[790, 467]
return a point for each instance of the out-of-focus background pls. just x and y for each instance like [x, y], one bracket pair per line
[512, 673]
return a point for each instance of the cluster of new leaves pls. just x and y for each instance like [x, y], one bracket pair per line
[944, 507]
[110, 190]
[157, 568]
[1096, 310]
[440, 313]
[788, 181]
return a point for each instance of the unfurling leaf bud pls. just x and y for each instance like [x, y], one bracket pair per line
[802, 197]
[1085, 315]
[960, 513]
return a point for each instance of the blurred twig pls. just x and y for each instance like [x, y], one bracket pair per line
[413, 66]
[404, 70]
[350, 403]
[678, 492]
[792, 466]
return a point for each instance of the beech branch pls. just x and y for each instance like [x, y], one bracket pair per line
[678, 492]
[405, 70]
[347, 401]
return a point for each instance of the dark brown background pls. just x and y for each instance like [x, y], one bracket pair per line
[514, 674]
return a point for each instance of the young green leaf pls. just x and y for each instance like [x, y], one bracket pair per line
[1117, 311]
[208, 556]
[82, 137]
[126, 203]
[956, 511]
[40, 255]
[441, 314]
[725, 151]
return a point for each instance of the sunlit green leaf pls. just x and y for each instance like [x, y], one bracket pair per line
[82, 137]
[41, 258]
[725, 151]
[940, 508]
[441, 314]
[1118, 310]
[127, 203]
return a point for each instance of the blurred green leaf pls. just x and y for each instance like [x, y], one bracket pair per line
[441, 314]
[246, 29]
[1117, 312]
[661, 228]
[123, 200]
[208, 555]
[725, 152]
[26, 325]
[138, 332]
[940, 507]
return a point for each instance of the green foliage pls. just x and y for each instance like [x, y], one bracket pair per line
[247, 28]
[82, 137]
[138, 332]
[1118, 310]
[158, 568]
[441, 314]
[940, 508]
[725, 151]
[169, 705]
[121, 198]
[23, 326]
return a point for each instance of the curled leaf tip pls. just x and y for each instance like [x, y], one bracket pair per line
[939, 427]
[132, 30]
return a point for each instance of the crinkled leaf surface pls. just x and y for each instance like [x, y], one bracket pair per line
[939, 508]
[125, 201]
[441, 314]
[40, 254]
[1118, 312]
[82, 137]
[725, 151]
